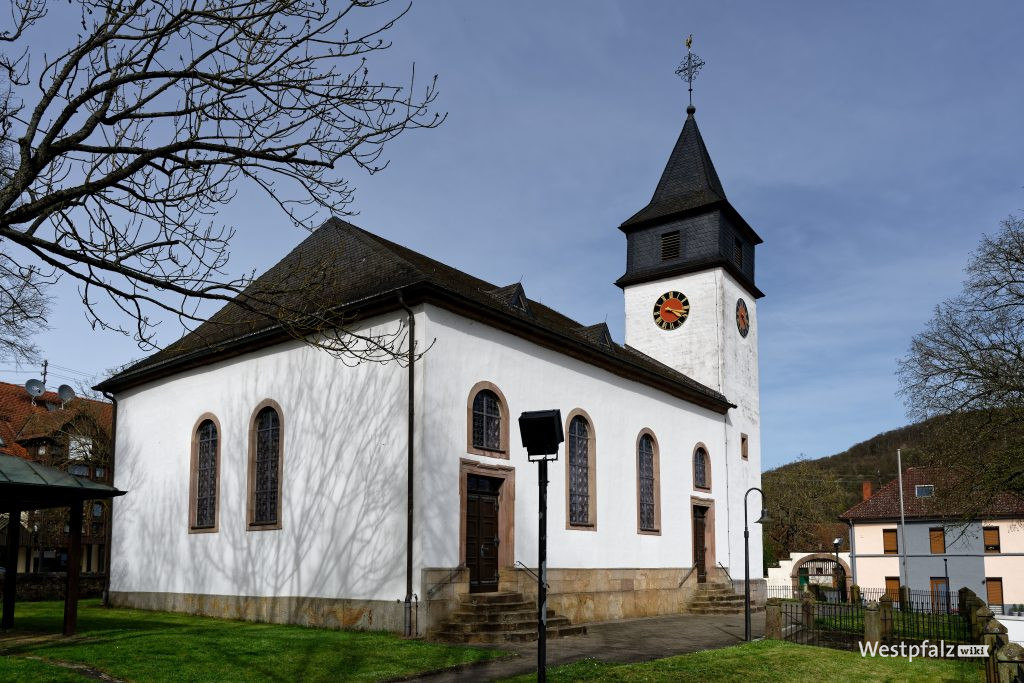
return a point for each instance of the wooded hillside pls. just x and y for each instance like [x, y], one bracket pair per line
[806, 497]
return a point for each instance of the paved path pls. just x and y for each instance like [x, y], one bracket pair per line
[635, 640]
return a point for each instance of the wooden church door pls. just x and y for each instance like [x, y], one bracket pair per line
[482, 533]
[699, 547]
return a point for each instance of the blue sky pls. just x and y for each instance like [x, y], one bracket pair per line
[870, 144]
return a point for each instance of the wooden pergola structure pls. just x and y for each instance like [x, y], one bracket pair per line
[27, 485]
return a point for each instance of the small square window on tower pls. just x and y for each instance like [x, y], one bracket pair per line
[737, 252]
[744, 452]
[670, 245]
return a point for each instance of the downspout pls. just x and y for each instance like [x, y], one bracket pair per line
[109, 521]
[409, 465]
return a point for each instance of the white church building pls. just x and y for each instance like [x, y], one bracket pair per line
[270, 480]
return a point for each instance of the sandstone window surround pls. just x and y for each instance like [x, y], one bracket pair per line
[580, 472]
[487, 421]
[266, 464]
[648, 484]
[701, 468]
[204, 479]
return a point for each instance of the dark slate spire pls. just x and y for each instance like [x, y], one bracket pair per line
[689, 180]
[689, 224]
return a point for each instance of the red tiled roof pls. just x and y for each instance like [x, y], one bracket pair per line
[885, 504]
[20, 420]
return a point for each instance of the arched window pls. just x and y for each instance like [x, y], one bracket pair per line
[701, 469]
[265, 467]
[648, 512]
[580, 474]
[488, 421]
[205, 475]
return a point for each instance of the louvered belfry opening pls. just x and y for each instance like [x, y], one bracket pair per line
[670, 245]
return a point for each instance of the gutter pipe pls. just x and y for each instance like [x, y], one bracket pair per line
[408, 630]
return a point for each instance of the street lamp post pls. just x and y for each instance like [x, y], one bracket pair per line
[840, 586]
[945, 566]
[541, 431]
[746, 558]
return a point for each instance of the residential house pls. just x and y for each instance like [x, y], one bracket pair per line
[937, 550]
[71, 435]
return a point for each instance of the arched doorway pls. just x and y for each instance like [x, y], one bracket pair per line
[823, 574]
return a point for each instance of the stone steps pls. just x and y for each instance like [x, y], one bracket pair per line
[715, 598]
[500, 617]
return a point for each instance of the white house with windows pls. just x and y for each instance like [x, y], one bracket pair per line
[271, 480]
[936, 550]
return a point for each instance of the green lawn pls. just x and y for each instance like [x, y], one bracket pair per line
[160, 646]
[769, 661]
[949, 627]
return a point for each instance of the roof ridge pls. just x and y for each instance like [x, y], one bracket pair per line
[368, 237]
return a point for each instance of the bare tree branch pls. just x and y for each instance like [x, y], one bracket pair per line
[119, 152]
[968, 366]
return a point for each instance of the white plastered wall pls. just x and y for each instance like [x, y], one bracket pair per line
[872, 564]
[343, 490]
[1008, 563]
[709, 348]
[531, 378]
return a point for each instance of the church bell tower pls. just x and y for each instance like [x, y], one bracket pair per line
[690, 294]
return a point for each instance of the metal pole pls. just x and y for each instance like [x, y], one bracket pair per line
[945, 565]
[746, 574]
[11, 567]
[410, 467]
[903, 531]
[542, 562]
[746, 563]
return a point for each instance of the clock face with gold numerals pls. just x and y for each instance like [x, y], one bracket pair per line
[671, 310]
[742, 317]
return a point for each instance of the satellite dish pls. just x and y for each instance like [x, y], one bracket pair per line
[35, 388]
[66, 393]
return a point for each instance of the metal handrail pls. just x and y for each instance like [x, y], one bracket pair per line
[692, 569]
[532, 573]
[726, 571]
[443, 582]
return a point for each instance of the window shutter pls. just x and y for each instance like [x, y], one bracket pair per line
[937, 538]
[889, 544]
[992, 539]
[994, 591]
[892, 587]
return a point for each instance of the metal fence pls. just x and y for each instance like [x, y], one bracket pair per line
[820, 593]
[940, 602]
[919, 620]
[841, 625]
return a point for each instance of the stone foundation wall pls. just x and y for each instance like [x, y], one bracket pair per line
[589, 595]
[51, 585]
[341, 613]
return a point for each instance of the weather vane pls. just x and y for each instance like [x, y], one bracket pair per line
[690, 66]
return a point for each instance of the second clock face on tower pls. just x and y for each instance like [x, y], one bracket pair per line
[671, 310]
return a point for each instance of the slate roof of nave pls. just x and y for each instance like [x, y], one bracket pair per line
[342, 268]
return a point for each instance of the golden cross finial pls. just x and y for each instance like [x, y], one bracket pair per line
[690, 67]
